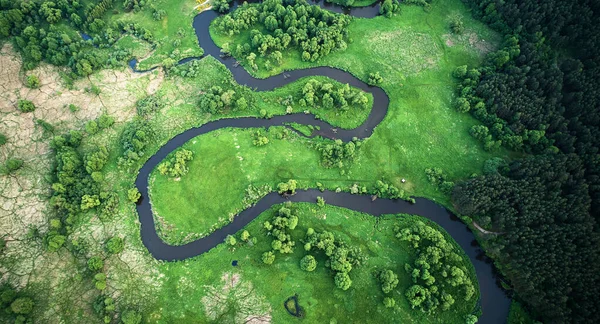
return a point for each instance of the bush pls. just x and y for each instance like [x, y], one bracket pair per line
[95, 264]
[389, 302]
[3, 139]
[308, 263]
[287, 187]
[115, 245]
[91, 127]
[494, 165]
[12, 165]
[22, 305]
[460, 72]
[33, 82]
[105, 121]
[268, 257]
[230, 240]
[133, 195]
[388, 280]
[456, 25]
[131, 317]
[25, 106]
[374, 79]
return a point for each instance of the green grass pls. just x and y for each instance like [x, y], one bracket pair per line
[176, 25]
[413, 54]
[322, 302]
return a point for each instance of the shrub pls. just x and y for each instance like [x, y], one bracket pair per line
[388, 280]
[33, 82]
[389, 302]
[105, 121]
[25, 106]
[287, 187]
[115, 245]
[91, 127]
[268, 257]
[22, 305]
[245, 236]
[230, 240]
[308, 263]
[131, 317]
[73, 108]
[374, 79]
[12, 165]
[342, 280]
[320, 202]
[460, 72]
[95, 264]
[133, 195]
[3, 139]
[456, 25]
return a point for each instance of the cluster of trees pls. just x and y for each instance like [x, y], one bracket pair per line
[438, 273]
[437, 177]
[326, 95]
[336, 153]
[176, 165]
[15, 305]
[389, 8]
[550, 248]
[34, 26]
[539, 93]
[136, 136]
[288, 188]
[284, 221]
[341, 257]
[149, 105]
[217, 99]
[259, 139]
[386, 190]
[294, 23]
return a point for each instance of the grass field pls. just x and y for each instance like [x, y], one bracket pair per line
[321, 300]
[416, 54]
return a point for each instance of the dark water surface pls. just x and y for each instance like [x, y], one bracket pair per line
[494, 302]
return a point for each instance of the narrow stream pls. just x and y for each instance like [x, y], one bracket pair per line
[494, 302]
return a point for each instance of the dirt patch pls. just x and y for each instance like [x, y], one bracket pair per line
[235, 301]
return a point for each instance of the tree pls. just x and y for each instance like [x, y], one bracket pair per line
[416, 295]
[375, 79]
[462, 105]
[133, 195]
[12, 165]
[22, 305]
[342, 280]
[230, 240]
[268, 257]
[288, 187]
[460, 72]
[245, 236]
[25, 106]
[89, 202]
[115, 245]
[308, 263]
[388, 280]
[456, 25]
[95, 264]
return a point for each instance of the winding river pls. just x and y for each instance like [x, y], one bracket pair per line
[494, 302]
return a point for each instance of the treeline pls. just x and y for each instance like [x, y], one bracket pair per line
[289, 24]
[540, 94]
[33, 25]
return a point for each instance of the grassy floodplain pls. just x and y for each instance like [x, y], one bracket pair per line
[415, 53]
[322, 301]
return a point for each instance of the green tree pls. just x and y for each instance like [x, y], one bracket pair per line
[388, 280]
[389, 302]
[268, 257]
[245, 236]
[308, 263]
[22, 305]
[133, 195]
[342, 280]
[115, 245]
[230, 240]
[12, 165]
[95, 263]
[416, 295]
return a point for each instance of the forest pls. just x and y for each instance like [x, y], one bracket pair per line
[539, 94]
[505, 135]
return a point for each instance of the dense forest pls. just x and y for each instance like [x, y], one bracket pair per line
[540, 94]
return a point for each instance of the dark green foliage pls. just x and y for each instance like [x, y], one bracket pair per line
[279, 228]
[149, 105]
[437, 177]
[542, 205]
[217, 99]
[389, 8]
[105, 121]
[291, 24]
[437, 267]
[134, 139]
[46, 126]
[135, 5]
[3, 139]
[494, 166]
[25, 106]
